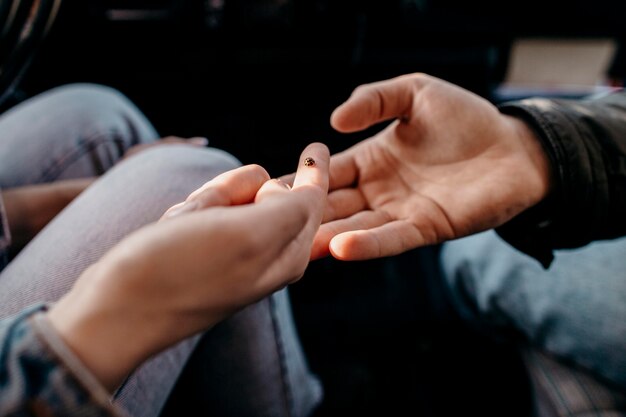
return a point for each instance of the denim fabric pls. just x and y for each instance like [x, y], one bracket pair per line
[256, 348]
[75, 131]
[574, 311]
[81, 131]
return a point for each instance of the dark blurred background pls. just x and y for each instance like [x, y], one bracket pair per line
[260, 79]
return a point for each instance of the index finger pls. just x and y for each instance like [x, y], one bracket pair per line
[343, 171]
[311, 177]
[376, 102]
[298, 211]
[313, 169]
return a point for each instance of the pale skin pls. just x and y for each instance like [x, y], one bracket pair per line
[237, 239]
[447, 166]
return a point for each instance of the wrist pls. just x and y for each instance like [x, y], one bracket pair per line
[540, 175]
[107, 327]
[527, 231]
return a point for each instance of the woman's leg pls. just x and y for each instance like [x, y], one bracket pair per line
[74, 131]
[133, 193]
[258, 347]
[574, 311]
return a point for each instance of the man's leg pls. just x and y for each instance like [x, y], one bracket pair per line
[574, 311]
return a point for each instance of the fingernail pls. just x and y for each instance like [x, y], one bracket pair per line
[185, 208]
[199, 141]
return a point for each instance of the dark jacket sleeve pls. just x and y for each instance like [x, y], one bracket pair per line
[585, 141]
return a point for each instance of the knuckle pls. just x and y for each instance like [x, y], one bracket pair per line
[215, 195]
[362, 89]
[256, 168]
[259, 171]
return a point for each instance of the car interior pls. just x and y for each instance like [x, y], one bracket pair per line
[259, 79]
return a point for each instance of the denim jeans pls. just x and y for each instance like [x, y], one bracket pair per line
[251, 364]
[572, 315]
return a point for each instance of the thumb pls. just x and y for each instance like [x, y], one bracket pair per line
[374, 103]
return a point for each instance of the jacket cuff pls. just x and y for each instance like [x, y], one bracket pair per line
[580, 187]
[44, 376]
[99, 397]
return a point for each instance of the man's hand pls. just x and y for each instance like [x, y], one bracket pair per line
[449, 165]
[31, 207]
[237, 239]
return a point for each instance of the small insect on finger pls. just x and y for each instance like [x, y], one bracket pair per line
[309, 162]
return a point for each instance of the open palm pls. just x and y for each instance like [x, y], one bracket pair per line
[448, 166]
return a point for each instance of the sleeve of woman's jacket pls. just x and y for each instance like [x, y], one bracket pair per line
[585, 141]
[40, 376]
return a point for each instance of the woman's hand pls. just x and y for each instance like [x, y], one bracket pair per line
[449, 165]
[236, 240]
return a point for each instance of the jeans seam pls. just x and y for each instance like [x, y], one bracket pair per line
[85, 145]
[281, 357]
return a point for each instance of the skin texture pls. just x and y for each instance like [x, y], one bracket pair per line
[235, 240]
[448, 165]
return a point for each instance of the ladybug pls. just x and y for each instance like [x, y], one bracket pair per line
[309, 162]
